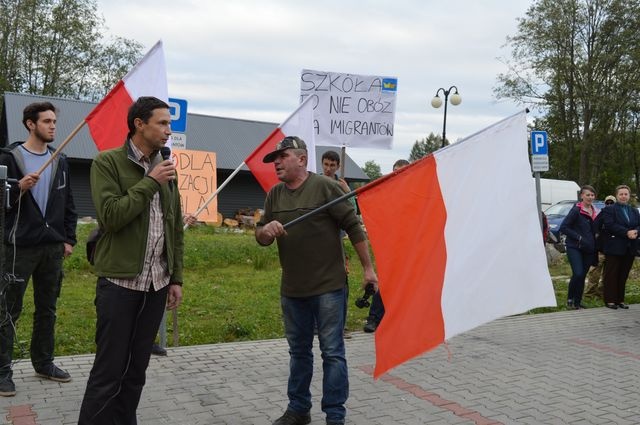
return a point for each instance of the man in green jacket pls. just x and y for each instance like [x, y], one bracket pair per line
[138, 261]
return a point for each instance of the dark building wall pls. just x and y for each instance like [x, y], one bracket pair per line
[81, 189]
[243, 191]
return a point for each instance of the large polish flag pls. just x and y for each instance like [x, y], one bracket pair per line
[108, 120]
[457, 242]
[300, 124]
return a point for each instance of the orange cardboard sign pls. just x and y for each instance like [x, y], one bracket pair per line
[196, 182]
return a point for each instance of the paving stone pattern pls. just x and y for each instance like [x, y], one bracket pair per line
[574, 367]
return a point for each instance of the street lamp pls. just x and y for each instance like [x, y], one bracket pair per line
[436, 102]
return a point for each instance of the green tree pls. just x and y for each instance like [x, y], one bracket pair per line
[576, 61]
[372, 170]
[425, 146]
[56, 48]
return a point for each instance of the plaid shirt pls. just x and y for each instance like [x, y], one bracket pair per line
[155, 271]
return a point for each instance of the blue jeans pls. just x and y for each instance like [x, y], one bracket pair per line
[299, 315]
[580, 263]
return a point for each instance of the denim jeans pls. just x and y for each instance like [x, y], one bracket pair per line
[42, 265]
[580, 263]
[376, 311]
[299, 316]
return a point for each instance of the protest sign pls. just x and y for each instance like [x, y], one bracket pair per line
[196, 181]
[351, 110]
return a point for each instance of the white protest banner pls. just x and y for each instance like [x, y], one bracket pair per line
[351, 110]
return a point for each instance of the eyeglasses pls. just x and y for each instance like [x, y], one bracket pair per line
[608, 202]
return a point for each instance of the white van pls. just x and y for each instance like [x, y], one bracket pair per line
[553, 191]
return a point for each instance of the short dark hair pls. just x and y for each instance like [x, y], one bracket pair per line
[587, 187]
[143, 108]
[32, 111]
[331, 156]
[400, 163]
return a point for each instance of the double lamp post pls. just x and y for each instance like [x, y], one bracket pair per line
[436, 102]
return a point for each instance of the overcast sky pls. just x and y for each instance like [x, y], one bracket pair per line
[242, 59]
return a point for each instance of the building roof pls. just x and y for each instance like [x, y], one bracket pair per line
[231, 139]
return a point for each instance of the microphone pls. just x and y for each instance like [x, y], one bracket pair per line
[165, 151]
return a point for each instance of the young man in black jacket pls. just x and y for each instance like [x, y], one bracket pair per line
[40, 230]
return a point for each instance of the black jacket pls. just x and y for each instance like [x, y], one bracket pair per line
[615, 227]
[59, 224]
[580, 231]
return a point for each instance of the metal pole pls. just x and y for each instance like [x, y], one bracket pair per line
[175, 327]
[343, 155]
[539, 198]
[320, 209]
[163, 330]
[444, 124]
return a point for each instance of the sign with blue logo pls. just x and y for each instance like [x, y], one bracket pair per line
[539, 144]
[178, 110]
[351, 109]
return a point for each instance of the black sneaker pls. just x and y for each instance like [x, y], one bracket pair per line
[7, 387]
[293, 418]
[334, 422]
[370, 326]
[53, 373]
[158, 350]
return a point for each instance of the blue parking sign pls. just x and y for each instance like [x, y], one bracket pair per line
[178, 110]
[539, 143]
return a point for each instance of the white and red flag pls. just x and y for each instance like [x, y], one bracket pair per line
[300, 124]
[108, 120]
[468, 248]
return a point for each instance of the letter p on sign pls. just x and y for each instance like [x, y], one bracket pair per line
[539, 144]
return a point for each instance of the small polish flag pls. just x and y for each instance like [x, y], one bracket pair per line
[108, 120]
[300, 124]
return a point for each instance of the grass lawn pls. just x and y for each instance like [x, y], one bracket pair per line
[231, 293]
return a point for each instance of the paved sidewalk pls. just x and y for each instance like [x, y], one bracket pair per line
[579, 367]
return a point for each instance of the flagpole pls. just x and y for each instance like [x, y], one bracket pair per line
[57, 152]
[62, 146]
[322, 208]
[349, 195]
[214, 194]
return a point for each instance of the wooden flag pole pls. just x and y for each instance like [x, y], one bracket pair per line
[214, 194]
[62, 146]
[58, 150]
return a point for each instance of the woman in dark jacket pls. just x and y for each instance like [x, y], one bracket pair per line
[621, 224]
[579, 229]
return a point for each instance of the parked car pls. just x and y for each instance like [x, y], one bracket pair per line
[555, 216]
